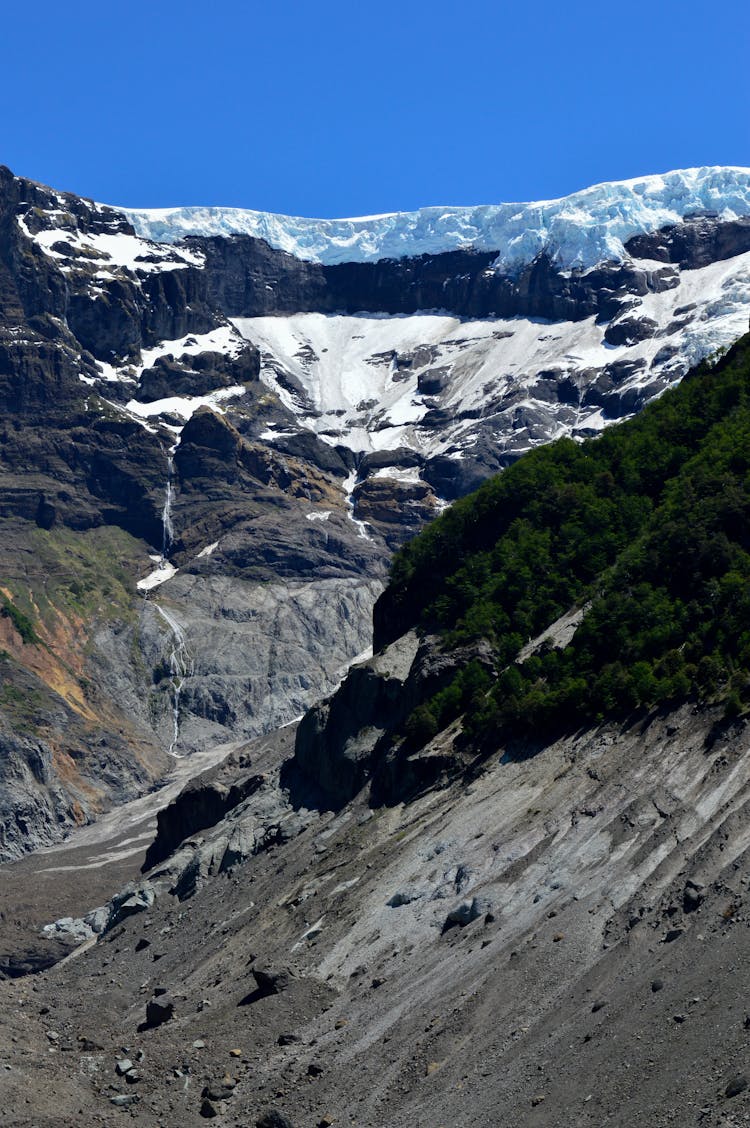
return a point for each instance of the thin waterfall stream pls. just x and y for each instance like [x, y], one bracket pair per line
[181, 664]
[166, 513]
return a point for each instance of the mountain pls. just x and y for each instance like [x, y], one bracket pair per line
[508, 913]
[218, 426]
[588, 581]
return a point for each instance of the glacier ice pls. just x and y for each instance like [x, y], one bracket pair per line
[579, 230]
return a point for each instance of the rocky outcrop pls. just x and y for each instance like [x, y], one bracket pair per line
[188, 375]
[202, 804]
[701, 239]
[357, 737]
[261, 652]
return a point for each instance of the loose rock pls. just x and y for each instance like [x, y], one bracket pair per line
[736, 1086]
[159, 1009]
[273, 1119]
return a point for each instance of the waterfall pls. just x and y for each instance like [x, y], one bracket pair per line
[167, 527]
[164, 570]
[181, 666]
[348, 488]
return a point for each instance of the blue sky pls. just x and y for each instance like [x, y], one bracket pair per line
[327, 108]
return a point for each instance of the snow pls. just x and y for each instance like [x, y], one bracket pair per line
[579, 230]
[224, 339]
[358, 374]
[112, 250]
[163, 572]
[319, 515]
[185, 406]
[352, 389]
[399, 474]
[208, 550]
[111, 374]
[348, 487]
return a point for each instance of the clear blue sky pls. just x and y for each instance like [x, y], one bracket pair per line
[326, 108]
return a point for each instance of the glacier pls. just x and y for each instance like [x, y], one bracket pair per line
[576, 231]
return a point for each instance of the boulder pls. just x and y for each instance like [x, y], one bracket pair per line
[272, 981]
[273, 1119]
[467, 911]
[159, 1009]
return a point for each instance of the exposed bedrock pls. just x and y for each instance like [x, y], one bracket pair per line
[247, 278]
[356, 737]
[701, 239]
[261, 653]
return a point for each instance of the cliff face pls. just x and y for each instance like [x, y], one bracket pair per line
[100, 679]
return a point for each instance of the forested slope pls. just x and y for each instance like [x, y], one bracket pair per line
[646, 529]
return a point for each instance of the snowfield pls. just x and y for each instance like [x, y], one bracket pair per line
[354, 380]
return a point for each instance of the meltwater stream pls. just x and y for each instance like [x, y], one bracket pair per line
[181, 666]
[166, 514]
[181, 663]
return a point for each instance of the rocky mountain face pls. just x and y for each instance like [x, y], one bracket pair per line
[382, 912]
[212, 444]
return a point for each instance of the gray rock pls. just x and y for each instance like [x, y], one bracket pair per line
[129, 901]
[404, 897]
[124, 1100]
[97, 919]
[73, 929]
[159, 1010]
[273, 1119]
[693, 896]
[736, 1086]
[219, 1090]
[272, 981]
[123, 1066]
[468, 911]
[240, 846]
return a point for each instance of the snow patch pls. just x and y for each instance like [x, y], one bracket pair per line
[348, 487]
[208, 550]
[399, 474]
[105, 251]
[359, 375]
[185, 406]
[161, 573]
